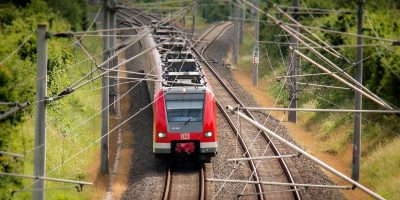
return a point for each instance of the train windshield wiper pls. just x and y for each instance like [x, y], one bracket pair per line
[189, 120]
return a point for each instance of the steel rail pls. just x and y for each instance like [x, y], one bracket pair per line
[275, 150]
[168, 183]
[306, 154]
[252, 165]
[170, 173]
[242, 142]
[202, 179]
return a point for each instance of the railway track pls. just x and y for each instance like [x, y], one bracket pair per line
[188, 183]
[184, 184]
[267, 170]
[180, 183]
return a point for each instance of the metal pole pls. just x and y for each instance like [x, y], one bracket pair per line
[306, 154]
[325, 46]
[293, 67]
[39, 168]
[111, 46]
[194, 9]
[290, 31]
[235, 34]
[243, 16]
[256, 49]
[355, 172]
[342, 72]
[104, 99]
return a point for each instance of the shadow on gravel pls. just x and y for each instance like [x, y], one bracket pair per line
[146, 174]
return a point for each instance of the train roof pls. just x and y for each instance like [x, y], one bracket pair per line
[181, 70]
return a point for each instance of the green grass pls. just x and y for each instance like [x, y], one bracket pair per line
[380, 157]
[381, 170]
[68, 131]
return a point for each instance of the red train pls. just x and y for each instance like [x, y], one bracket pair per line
[184, 107]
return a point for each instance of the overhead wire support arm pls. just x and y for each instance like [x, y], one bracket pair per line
[342, 72]
[45, 178]
[340, 79]
[304, 153]
[15, 155]
[319, 110]
[326, 45]
[344, 33]
[305, 185]
[14, 110]
[8, 103]
[73, 87]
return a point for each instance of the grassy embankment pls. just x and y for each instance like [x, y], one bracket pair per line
[331, 132]
[69, 128]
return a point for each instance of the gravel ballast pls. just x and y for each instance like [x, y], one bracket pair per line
[309, 172]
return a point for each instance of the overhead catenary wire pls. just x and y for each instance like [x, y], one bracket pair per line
[327, 49]
[111, 131]
[377, 49]
[18, 48]
[340, 79]
[342, 72]
[14, 110]
[313, 9]
[343, 33]
[86, 52]
[114, 67]
[253, 142]
[330, 46]
[319, 110]
[107, 107]
[45, 178]
[75, 85]
[323, 86]
[78, 188]
[15, 155]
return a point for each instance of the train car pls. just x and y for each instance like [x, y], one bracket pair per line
[184, 106]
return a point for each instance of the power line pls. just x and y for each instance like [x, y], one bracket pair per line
[18, 48]
[330, 46]
[75, 85]
[109, 131]
[314, 9]
[343, 33]
[15, 155]
[115, 128]
[45, 178]
[14, 110]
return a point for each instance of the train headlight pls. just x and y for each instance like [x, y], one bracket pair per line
[208, 134]
[161, 135]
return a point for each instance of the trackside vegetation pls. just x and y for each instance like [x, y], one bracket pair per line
[380, 139]
[72, 122]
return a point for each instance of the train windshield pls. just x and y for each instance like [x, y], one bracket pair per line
[185, 112]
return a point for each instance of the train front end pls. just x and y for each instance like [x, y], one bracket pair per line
[185, 122]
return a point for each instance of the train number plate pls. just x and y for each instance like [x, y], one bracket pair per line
[185, 136]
